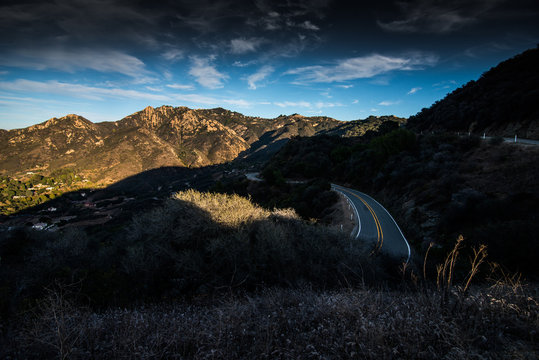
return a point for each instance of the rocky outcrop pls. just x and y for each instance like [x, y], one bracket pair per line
[150, 138]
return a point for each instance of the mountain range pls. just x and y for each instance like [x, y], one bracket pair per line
[157, 137]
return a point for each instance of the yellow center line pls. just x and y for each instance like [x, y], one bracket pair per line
[376, 221]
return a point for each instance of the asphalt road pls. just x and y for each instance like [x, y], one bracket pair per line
[376, 225]
[521, 141]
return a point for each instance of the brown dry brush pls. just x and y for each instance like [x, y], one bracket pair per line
[498, 322]
[453, 320]
[289, 324]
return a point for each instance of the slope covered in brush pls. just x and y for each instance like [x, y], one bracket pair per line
[503, 102]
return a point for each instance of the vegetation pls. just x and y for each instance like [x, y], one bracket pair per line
[438, 186]
[195, 244]
[451, 322]
[35, 189]
[503, 101]
[353, 160]
[310, 199]
[214, 275]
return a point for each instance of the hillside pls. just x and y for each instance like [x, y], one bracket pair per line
[502, 102]
[215, 276]
[370, 125]
[438, 187]
[152, 138]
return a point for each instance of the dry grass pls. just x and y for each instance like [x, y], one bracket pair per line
[228, 210]
[291, 324]
[244, 245]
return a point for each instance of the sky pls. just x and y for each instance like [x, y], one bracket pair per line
[106, 59]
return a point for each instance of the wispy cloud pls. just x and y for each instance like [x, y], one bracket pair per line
[389, 103]
[99, 93]
[307, 25]
[74, 59]
[445, 84]
[76, 90]
[238, 102]
[414, 90]
[436, 16]
[345, 86]
[362, 67]
[206, 74]
[181, 86]
[292, 104]
[321, 104]
[258, 76]
[173, 55]
[243, 45]
[242, 64]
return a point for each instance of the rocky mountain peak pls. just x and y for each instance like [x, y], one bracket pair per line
[70, 120]
[149, 138]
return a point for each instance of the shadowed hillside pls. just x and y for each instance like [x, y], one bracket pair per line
[437, 186]
[502, 102]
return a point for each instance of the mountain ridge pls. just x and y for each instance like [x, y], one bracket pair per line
[152, 138]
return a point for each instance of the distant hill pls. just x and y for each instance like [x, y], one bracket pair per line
[502, 102]
[155, 137]
[362, 127]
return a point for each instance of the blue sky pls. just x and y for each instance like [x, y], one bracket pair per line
[107, 59]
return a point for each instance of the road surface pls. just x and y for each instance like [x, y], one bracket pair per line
[520, 141]
[376, 224]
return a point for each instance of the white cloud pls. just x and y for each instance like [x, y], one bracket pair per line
[345, 86]
[389, 103]
[326, 94]
[260, 75]
[356, 101]
[414, 90]
[73, 59]
[206, 74]
[167, 75]
[293, 104]
[173, 55]
[76, 90]
[321, 105]
[99, 94]
[195, 98]
[446, 84]
[362, 67]
[181, 86]
[308, 26]
[242, 45]
[242, 64]
[238, 102]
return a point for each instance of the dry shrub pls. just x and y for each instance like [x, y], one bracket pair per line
[298, 324]
[228, 210]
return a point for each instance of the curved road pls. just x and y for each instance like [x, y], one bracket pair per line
[376, 224]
